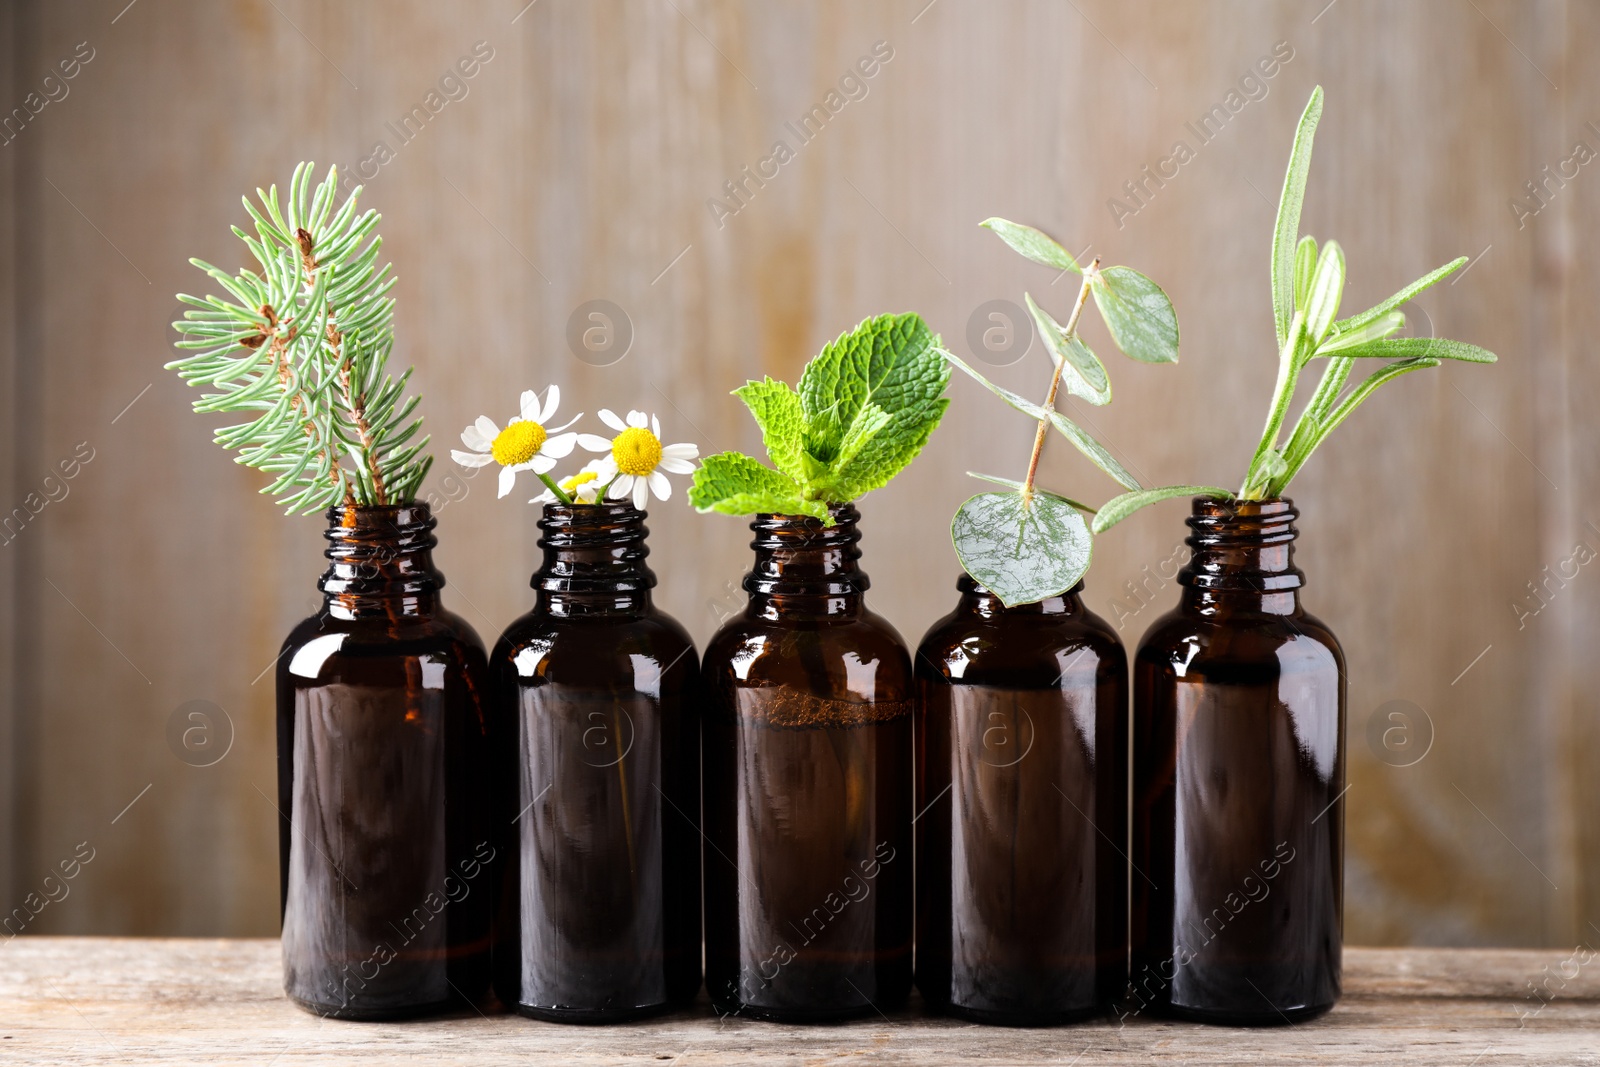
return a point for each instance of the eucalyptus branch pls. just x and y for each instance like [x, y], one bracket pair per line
[1027, 543]
[1070, 332]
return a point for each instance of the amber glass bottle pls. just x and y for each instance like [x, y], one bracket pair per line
[1238, 775]
[1022, 746]
[385, 840]
[597, 741]
[808, 787]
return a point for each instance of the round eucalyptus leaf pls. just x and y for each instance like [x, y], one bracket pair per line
[1021, 550]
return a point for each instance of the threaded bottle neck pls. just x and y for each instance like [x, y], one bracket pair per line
[1242, 555]
[380, 561]
[803, 568]
[594, 559]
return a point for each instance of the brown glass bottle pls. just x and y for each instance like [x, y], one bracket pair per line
[596, 729]
[1022, 787]
[808, 787]
[384, 838]
[1238, 775]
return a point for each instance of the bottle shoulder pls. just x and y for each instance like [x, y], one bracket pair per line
[586, 649]
[1278, 643]
[862, 654]
[1022, 650]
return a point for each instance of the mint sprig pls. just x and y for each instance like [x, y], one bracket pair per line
[865, 407]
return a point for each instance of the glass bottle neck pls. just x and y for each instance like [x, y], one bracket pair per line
[977, 600]
[804, 569]
[593, 560]
[1243, 558]
[380, 562]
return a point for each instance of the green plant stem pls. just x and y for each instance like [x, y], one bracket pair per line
[560, 493]
[1282, 393]
[1055, 379]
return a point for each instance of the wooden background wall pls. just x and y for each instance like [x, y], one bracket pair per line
[578, 167]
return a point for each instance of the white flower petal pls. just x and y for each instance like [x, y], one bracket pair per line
[609, 417]
[675, 466]
[638, 419]
[594, 442]
[470, 459]
[682, 450]
[546, 497]
[508, 478]
[559, 446]
[541, 464]
[659, 485]
[621, 487]
[475, 440]
[528, 405]
[605, 467]
[552, 399]
[655, 427]
[641, 493]
[564, 425]
[488, 429]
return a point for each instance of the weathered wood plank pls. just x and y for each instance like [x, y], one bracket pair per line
[136, 1001]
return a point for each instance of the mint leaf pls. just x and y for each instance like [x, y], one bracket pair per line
[1138, 314]
[1021, 550]
[735, 484]
[777, 411]
[871, 399]
[1035, 244]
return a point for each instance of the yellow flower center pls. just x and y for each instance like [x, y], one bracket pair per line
[581, 478]
[636, 450]
[518, 443]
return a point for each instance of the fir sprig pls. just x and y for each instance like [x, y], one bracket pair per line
[302, 345]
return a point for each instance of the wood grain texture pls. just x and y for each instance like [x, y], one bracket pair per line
[578, 165]
[138, 1001]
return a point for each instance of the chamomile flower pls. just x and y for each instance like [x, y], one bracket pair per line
[583, 487]
[525, 443]
[638, 458]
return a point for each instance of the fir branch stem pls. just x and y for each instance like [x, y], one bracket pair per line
[1055, 379]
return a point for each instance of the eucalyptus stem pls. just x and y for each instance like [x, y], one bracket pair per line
[1055, 379]
[560, 493]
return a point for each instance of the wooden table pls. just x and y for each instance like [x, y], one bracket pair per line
[134, 1001]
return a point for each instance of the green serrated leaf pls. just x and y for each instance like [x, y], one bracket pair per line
[1022, 550]
[778, 412]
[891, 363]
[1286, 231]
[1138, 314]
[1034, 244]
[1417, 348]
[736, 484]
[1082, 372]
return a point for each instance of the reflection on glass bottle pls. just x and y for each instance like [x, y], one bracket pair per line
[1022, 793]
[808, 787]
[1238, 779]
[598, 782]
[385, 840]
